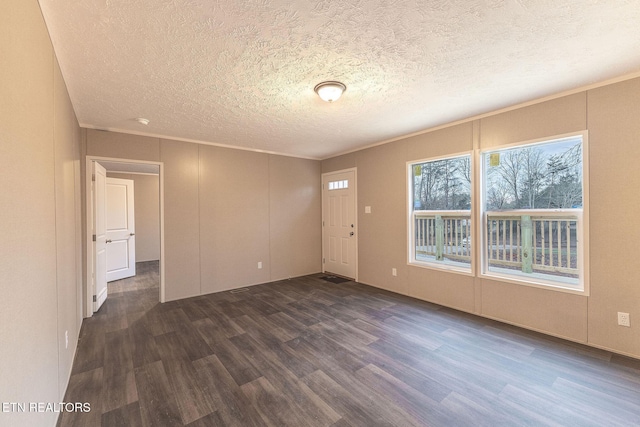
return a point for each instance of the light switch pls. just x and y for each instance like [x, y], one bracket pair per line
[367, 209]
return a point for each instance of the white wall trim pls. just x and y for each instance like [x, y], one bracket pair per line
[132, 173]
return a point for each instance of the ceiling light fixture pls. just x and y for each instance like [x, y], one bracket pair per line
[142, 121]
[330, 91]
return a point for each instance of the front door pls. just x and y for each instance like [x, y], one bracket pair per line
[339, 223]
[121, 247]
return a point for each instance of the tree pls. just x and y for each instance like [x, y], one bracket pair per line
[564, 179]
[534, 173]
[428, 177]
[442, 185]
[510, 170]
[555, 166]
[465, 169]
[498, 195]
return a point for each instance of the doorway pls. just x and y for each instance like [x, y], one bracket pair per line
[140, 171]
[340, 223]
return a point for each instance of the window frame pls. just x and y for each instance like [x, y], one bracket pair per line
[411, 217]
[581, 215]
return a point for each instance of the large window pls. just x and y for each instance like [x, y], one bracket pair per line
[532, 212]
[530, 227]
[440, 210]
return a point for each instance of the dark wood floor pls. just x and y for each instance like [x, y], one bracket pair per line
[306, 352]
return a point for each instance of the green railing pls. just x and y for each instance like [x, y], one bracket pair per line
[533, 243]
[443, 236]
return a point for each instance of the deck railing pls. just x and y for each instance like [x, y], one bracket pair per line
[443, 236]
[540, 243]
[530, 242]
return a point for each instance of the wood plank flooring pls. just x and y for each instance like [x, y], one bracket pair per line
[306, 352]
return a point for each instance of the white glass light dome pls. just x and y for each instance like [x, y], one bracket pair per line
[330, 91]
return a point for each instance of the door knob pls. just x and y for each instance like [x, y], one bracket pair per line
[351, 234]
[108, 241]
[132, 234]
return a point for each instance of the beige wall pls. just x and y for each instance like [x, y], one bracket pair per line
[294, 217]
[610, 114]
[68, 232]
[146, 191]
[39, 217]
[182, 219]
[226, 210]
[614, 126]
[234, 218]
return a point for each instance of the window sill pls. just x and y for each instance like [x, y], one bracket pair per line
[446, 266]
[535, 280]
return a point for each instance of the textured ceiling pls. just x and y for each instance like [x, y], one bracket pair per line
[242, 72]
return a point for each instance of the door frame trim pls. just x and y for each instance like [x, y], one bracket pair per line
[87, 310]
[355, 196]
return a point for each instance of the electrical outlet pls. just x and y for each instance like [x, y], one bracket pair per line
[259, 265]
[66, 339]
[623, 319]
[394, 272]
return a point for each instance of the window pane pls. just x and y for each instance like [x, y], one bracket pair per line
[540, 176]
[541, 246]
[441, 217]
[442, 184]
[539, 243]
[443, 239]
[339, 185]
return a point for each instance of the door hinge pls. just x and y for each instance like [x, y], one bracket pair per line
[93, 177]
[323, 260]
[94, 298]
[323, 223]
[94, 237]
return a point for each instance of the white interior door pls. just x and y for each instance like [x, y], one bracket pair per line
[339, 223]
[99, 206]
[121, 243]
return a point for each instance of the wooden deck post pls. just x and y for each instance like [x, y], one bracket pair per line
[527, 247]
[439, 237]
